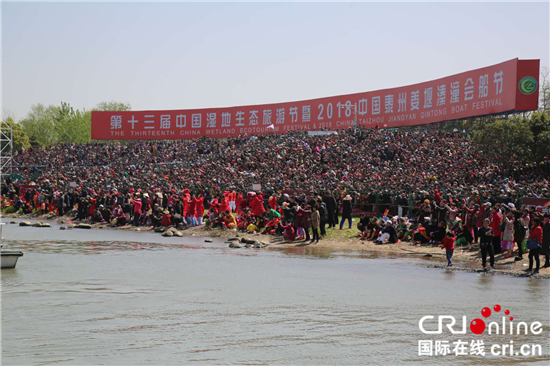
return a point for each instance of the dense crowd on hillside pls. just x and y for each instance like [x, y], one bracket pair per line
[364, 162]
[431, 178]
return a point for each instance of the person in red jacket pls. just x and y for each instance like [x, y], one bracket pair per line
[192, 212]
[496, 219]
[214, 205]
[535, 234]
[449, 246]
[290, 233]
[239, 202]
[259, 206]
[137, 210]
[166, 219]
[252, 200]
[93, 203]
[224, 204]
[200, 209]
[273, 202]
[437, 196]
[186, 201]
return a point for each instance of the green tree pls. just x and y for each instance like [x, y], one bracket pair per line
[508, 139]
[73, 127]
[540, 127]
[113, 106]
[39, 125]
[544, 145]
[20, 140]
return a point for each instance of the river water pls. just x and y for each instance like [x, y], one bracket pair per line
[87, 297]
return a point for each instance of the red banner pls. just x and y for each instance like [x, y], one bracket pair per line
[537, 202]
[505, 87]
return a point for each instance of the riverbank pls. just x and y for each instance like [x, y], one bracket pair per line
[344, 240]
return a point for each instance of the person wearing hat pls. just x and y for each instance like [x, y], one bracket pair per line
[166, 218]
[346, 211]
[425, 208]
[388, 233]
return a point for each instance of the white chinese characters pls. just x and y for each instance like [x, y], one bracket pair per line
[116, 122]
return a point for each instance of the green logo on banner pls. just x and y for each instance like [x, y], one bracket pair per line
[528, 85]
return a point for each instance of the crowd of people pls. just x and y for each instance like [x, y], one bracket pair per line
[496, 229]
[428, 187]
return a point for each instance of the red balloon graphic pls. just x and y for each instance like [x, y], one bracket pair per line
[496, 308]
[477, 326]
[511, 318]
[507, 312]
[486, 312]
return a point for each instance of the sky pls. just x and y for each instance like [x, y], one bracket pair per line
[200, 55]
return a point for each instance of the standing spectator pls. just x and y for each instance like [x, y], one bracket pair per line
[330, 202]
[323, 213]
[346, 211]
[545, 250]
[200, 209]
[425, 209]
[137, 210]
[469, 217]
[520, 234]
[496, 219]
[315, 222]
[480, 218]
[507, 242]
[535, 238]
[486, 244]
[302, 223]
[449, 246]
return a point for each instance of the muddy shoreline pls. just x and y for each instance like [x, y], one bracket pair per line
[343, 241]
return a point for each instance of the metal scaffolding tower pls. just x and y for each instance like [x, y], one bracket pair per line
[6, 150]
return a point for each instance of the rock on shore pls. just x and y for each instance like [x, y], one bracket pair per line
[172, 232]
[83, 226]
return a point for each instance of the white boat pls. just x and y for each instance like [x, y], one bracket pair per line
[10, 257]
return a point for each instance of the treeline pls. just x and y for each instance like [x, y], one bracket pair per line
[519, 138]
[45, 126]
